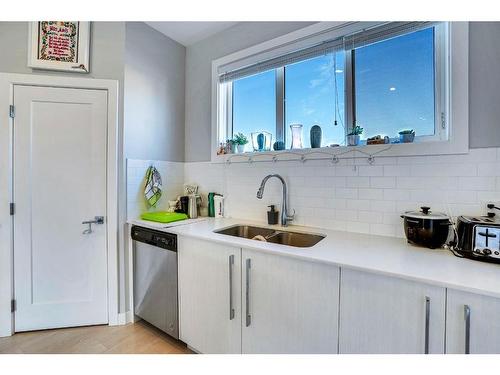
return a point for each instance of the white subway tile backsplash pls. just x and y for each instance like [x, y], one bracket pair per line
[371, 170]
[336, 181]
[477, 183]
[396, 195]
[358, 182]
[350, 195]
[370, 193]
[349, 170]
[383, 206]
[450, 169]
[396, 170]
[371, 217]
[383, 229]
[488, 196]
[488, 169]
[443, 183]
[356, 204]
[346, 193]
[357, 227]
[383, 182]
[349, 215]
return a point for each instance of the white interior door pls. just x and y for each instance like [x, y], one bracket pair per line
[60, 273]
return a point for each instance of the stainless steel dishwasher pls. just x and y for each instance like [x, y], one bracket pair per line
[155, 278]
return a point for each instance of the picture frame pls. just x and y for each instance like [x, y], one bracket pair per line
[59, 45]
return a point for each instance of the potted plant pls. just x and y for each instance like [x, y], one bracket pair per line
[406, 136]
[353, 136]
[240, 140]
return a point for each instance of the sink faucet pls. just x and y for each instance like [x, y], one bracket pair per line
[285, 216]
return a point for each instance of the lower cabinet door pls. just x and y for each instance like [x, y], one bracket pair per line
[472, 323]
[209, 296]
[380, 314]
[289, 306]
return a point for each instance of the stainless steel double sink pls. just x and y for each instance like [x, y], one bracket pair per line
[280, 237]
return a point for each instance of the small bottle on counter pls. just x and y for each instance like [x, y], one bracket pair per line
[272, 215]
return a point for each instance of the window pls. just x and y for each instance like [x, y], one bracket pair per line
[384, 78]
[254, 105]
[314, 95]
[394, 85]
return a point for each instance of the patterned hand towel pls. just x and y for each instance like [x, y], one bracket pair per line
[152, 190]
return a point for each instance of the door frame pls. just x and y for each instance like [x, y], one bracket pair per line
[7, 83]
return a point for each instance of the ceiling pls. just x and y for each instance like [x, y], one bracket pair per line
[188, 33]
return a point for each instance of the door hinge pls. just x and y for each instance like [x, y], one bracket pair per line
[12, 111]
[12, 207]
[13, 305]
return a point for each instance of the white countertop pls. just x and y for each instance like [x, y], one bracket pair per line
[379, 254]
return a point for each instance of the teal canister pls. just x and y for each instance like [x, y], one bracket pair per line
[316, 134]
[211, 207]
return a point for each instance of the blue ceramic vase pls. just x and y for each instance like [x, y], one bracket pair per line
[316, 136]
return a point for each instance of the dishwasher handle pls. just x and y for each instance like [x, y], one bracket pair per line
[164, 240]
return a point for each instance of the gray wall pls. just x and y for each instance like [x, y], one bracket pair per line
[199, 76]
[484, 80]
[154, 94]
[153, 100]
[484, 84]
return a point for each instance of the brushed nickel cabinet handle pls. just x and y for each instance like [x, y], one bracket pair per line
[427, 321]
[467, 328]
[247, 293]
[231, 309]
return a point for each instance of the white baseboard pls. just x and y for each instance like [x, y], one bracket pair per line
[125, 318]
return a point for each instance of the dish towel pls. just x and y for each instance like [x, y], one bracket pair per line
[152, 190]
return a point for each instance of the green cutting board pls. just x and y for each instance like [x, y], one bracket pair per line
[163, 217]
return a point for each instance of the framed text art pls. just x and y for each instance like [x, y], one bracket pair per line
[59, 45]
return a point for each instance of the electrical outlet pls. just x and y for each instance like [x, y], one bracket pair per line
[493, 206]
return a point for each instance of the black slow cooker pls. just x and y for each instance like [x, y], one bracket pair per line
[426, 228]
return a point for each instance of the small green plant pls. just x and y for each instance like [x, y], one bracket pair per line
[356, 130]
[240, 139]
[407, 131]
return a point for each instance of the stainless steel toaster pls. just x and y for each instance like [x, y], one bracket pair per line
[479, 238]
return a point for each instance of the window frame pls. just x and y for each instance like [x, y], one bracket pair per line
[451, 106]
[441, 82]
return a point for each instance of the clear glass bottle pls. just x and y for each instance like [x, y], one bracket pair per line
[296, 136]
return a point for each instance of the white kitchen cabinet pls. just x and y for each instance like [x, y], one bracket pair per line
[209, 296]
[380, 314]
[472, 323]
[289, 305]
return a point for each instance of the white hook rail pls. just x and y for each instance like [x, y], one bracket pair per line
[283, 156]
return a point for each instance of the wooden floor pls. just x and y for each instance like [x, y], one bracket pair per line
[138, 338]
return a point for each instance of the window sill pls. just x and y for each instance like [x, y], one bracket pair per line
[347, 152]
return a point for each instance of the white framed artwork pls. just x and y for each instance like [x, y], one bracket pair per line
[59, 45]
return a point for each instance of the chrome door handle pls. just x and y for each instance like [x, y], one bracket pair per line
[97, 220]
[427, 321]
[247, 293]
[467, 328]
[231, 309]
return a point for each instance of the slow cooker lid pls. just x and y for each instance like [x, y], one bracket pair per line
[426, 213]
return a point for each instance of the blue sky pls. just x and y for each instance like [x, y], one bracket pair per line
[394, 91]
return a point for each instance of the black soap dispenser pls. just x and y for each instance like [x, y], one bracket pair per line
[272, 215]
